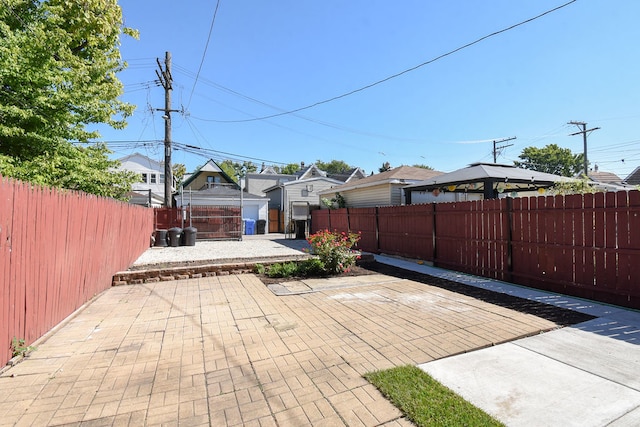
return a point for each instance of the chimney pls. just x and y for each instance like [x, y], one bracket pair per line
[595, 168]
[262, 168]
[301, 165]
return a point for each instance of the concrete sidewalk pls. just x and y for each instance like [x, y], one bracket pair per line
[226, 350]
[583, 375]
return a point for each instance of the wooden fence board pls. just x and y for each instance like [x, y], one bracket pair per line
[363, 221]
[584, 245]
[6, 232]
[57, 250]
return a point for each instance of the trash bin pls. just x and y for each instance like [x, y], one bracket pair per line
[174, 236]
[260, 226]
[249, 226]
[301, 229]
[189, 236]
[160, 238]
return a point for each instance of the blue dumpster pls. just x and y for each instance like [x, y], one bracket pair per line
[249, 226]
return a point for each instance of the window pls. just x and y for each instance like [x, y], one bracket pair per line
[161, 178]
[153, 178]
[144, 178]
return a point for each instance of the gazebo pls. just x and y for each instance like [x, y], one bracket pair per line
[488, 179]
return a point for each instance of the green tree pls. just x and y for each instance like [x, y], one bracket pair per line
[233, 169]
[178, 170]
[290, 169]
[423, 167]
[551, 159]
[334, 166]
[386, 166]
[578, 186]
[87, 169]
[58, 65]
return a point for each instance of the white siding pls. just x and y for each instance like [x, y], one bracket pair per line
[418, 197]
[379, 195]
[257, 183]
[152, 170]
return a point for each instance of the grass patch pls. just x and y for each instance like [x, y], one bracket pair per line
[312, 267]
[425, 401]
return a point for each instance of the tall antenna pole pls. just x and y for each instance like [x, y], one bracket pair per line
[166, 80]
[584, 138]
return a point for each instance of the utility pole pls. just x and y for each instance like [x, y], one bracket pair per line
[495, 148]
[166, 80]
[584, 137]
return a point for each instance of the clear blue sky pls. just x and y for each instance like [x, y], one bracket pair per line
[580, 63]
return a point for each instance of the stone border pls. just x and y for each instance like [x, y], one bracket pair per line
[181, 272]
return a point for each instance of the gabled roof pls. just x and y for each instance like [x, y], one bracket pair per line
[473, 179]
[143, 160]
[310, 171]
[210, 166]
[349, 175]
[268, 170]
[605, 177]
[400, 175]
[633, 178]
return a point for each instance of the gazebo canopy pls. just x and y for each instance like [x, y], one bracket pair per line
[489, 179]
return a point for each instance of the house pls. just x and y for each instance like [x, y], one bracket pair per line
[145, 198]
[382, 189]
[604, 177]
[209, 185]
[257, 182]
[633, 178]
[607, 181]
[150, 190]
[481, 181]
[293, 196]
[312, 171]
[296, 199]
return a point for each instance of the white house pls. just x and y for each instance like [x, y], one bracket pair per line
[151, 184]
[382, 189]
[296, 199]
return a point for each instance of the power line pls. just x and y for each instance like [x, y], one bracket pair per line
[393, 76]
[319, 122]
[223, 154]
[204, 53]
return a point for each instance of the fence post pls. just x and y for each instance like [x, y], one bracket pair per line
[509, 238]
[434, 238]
[348, 222]
[377, 232]
[329, 220]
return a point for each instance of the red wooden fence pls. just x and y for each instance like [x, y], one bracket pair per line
[58, 249]
[582, 245]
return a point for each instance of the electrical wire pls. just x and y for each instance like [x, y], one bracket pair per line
[408, 70]
[257, 101]
[204, 53]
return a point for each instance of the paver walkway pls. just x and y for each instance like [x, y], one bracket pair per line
[227, 351]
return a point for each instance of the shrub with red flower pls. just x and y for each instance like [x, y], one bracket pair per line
[335, 249]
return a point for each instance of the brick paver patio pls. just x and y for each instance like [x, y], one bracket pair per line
[226, 351]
